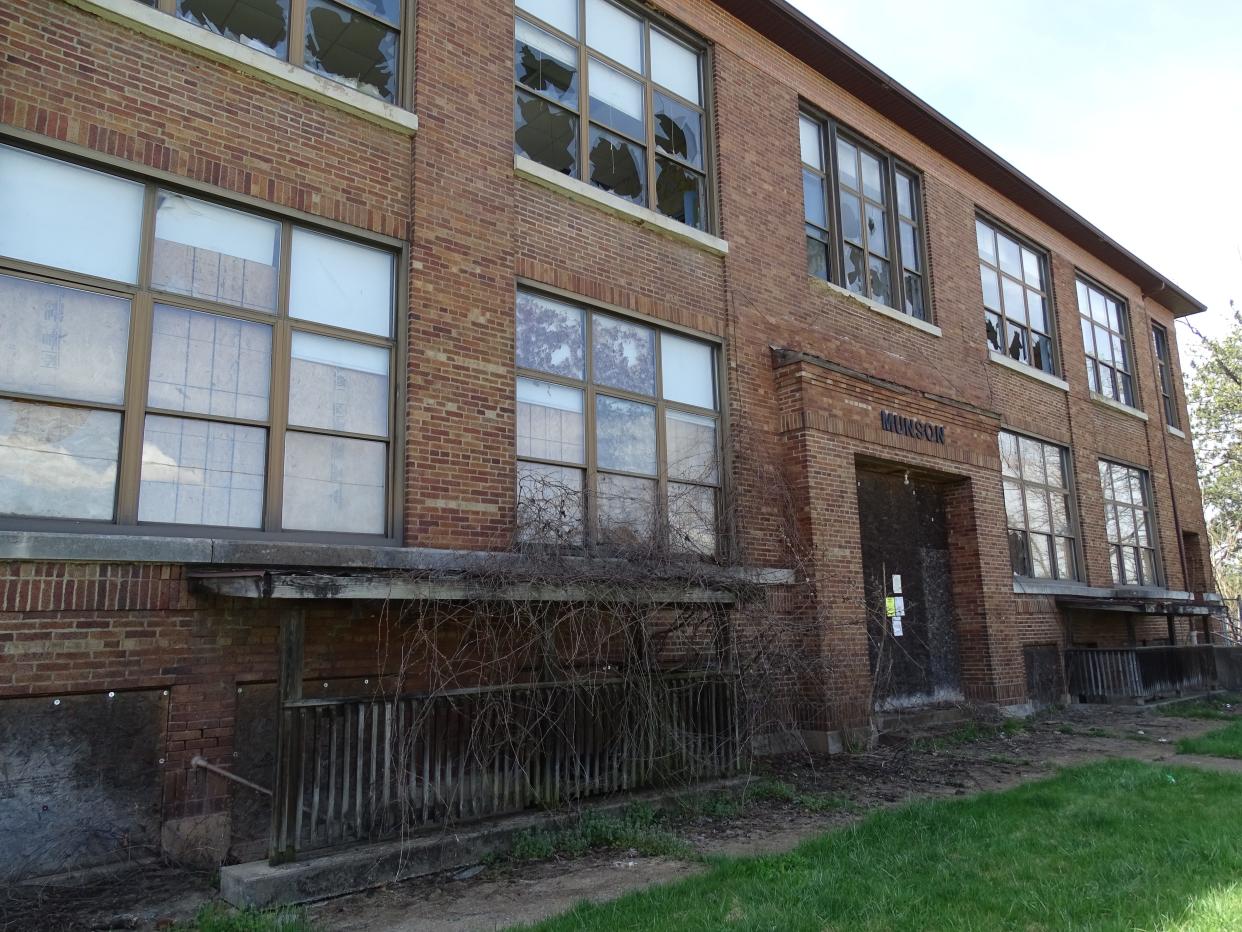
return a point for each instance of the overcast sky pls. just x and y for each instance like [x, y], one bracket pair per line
[1130, 111]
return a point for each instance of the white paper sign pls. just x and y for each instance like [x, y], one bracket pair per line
[899, 606]
[897, 631]
[896, 585]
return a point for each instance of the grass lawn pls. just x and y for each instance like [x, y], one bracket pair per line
[1117, 846]
[1220, 706]
[1222, 742]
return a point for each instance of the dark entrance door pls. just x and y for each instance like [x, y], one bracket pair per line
[905, 548]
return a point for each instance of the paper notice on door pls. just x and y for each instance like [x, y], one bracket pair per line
[890, 606]
[899, 606]
[896, 585]
[897, 631]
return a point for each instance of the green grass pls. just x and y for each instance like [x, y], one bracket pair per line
[642, 828]
[1223, 742]
[970, 733]
[1114, 846]
[1210, 707]
[215, 917]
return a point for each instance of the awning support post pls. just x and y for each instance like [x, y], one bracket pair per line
[286, 800]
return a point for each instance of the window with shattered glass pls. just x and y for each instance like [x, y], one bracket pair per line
[618, 431]
[221, 385]
[605, 93]
[1105, 339]
[1017, 307]
[1039, 508]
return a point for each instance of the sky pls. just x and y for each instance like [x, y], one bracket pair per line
[1129, 112]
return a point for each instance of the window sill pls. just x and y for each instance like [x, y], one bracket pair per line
[169, 28]
[1118, 406]
[882, 309]
[589, 194]
[1175, 432]
[1029, 371]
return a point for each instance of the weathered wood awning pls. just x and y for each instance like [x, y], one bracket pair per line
[1138, 605]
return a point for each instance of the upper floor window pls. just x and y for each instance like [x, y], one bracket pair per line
[1127, 511]
[1168, 394]
[357, 42]
[1016, 308]
[1106, 342]
[1043, 532]
[618, 436]
[174, 361]
[604, 94]
[874, 205]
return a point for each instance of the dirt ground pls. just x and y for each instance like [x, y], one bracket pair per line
[154, 896]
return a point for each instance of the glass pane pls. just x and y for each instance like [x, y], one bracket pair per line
[1018, 553]
[1119, 352]
[675, 66]
[909, 247]
[616, 100]
[1088, 337]
[881, 281]
[1141, 528]
[678, 129]
[1015, 300]
[206, 364]
[215, 253]
[1137, 490]
[63, 342]
[73, 218]
[1149, 567]
[1037, 517]
[1065, 559]
[1018, 348]
[905, 198]
[389, 10]
[813, 198]
[851, 218]
[625, 435]
[809, 139]
[679, 193]
[994, 332]
[1010, 462]
[352, 49]
[626, 507]
[1032, 460]
[1015, 514]
[623, 355]
[618, 166]
[1053, 466]
[1099, 310]
[847, 164]
[855, 272]
[1129, 562]
[549, 508]
[616, 33]
[991, 288]
[1032, 269]
[1035, 308]
[57, 462]
[334, 281]
[1103, 345]
[691, 448]
[1125, 526]
[545, 133]
[692, 518]
[1107, 386]
[550, 336]
[563, 14]
[1041, 352]
[877, 231]
[1041, 556]
[1010, 256]
[1093, 378]
[1125, 388]
[338, 385]
[873, 186]
[914, 296]
[550, 425]
[202, 472]
[259, 24]
[688, 370]
[986, 241]
[816, 254]
[1114, 559]
[1114, 314]
[545, 64]
[335, 484]
[1060, 514]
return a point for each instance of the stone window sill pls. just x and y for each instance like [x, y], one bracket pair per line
[1175, 432]
[881, 309]
[1118, 406]
[170, 29]
[1029, 371]
[589, 194]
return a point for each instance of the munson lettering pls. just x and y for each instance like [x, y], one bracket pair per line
[908, 427]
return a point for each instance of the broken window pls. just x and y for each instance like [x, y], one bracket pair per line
[259, 24]
[874, 205]
[633, 427]
[1016, 312]
[591, 102]
[356, 49]
[1106, 343]
[1128, 518]
[1038, 508]
[211, 319]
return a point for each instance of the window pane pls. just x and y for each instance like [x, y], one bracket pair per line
[545, 64]
[1018, 348]
[1037, 517]
[1055, 469]
[549, 422]
[1099, 310]
[851, 218]
[881, 281]
[1114, 559]
[259, 24]
[1103, 345]
[1010, 463]
[877, 231]
[623, 355]
[615, 33]
[618, 166]
[847, 164]
[1041, 352]
[692, 518]
[994, 332]
[63, 342]
[202, 472]
[334, 281]
[674, 66]
[986, 241]
[74, 218]
[57, 462]
[1129, 562]
[909, 247]
[905, 196]
[1032, 460]
[334, 484]
[1018, 553]
[1149, 567]
[813, 199]
[691, 448]
[1119, 352]
[563, 14]
[1060, 514]
[1010, 256]
[1015, 300]
[914, 296]
[678, 129]
[352, 49]
[626, 507]
[389, 10]
[206, 364]
[855, 273]
[625, 435]
[616, 100]
[688, 370]
[1041, 556]
[1015, 515]
[1114, 314]
[549, 504]
[1035, 308]
[816, 254]
[679, 192]
[1031, 269]
[215, 253]
[1065, 559]
[550, 336]
[1088, 340]
[873, 186]
[991, 288]
[809, 139]
[338, 385]
[545, 133]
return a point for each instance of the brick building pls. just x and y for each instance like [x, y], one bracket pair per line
[342, 288]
